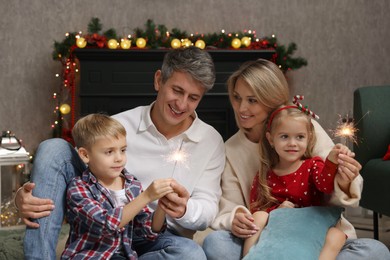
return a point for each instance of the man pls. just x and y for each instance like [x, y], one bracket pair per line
[153, 132]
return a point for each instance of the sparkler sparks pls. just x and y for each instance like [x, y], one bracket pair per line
[346, 130]
[177, 156]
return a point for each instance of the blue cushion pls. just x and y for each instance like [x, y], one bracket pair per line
[295, 233]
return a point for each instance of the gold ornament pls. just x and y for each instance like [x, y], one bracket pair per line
[236, 43]
[125, 44]
[112, 44]
[64, 109]
[141, 43]
[200, 44]
[246, 41]
[186, 43]
[81, 42]
[175, 43]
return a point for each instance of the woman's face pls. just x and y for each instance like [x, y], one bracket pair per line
[250, 113]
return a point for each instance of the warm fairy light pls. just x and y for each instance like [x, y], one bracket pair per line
[273, 35]
[57, 75]
[223, 31]
[66, 34]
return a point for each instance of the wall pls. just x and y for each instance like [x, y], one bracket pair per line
[346, 44]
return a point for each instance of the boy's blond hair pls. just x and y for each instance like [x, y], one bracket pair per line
[89, 128]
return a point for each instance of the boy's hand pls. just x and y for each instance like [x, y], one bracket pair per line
[159, 188]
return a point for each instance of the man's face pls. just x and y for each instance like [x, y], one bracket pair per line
[176, 101]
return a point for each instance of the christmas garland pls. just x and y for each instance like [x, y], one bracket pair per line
[158, 36]
[152, 37]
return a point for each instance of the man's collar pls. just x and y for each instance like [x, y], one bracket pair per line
[191, 133]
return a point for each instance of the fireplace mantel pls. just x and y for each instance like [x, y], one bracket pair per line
[113, 81]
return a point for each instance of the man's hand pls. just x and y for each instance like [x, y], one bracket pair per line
[30, 206]
[175, 203]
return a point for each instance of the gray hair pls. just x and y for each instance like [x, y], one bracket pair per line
[198, 63]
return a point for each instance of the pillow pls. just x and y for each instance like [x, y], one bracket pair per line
[387, 155]
[295, 233]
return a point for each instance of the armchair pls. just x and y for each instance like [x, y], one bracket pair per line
[373, 137]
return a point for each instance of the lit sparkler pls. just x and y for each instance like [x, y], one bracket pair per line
[346, 130]
[177, 156]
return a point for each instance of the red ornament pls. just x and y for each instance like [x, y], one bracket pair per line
[97, 39]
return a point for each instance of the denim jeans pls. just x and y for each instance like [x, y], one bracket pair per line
[224, 245]
[169, 246]
[56, 163]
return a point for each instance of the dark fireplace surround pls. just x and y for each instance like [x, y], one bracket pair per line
[113, 81]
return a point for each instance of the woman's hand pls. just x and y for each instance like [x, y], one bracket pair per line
[175, 204]
[348, 170]
[242, 225]
[30, 206]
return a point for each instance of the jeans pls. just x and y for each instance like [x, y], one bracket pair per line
[55, 164]
[169, 246]
[224, 245]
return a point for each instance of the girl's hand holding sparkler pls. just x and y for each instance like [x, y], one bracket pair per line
[337, 150]
[175, 204]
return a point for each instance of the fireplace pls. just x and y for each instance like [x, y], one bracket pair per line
[112, 81]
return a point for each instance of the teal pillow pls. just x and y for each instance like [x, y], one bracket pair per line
[295, 233]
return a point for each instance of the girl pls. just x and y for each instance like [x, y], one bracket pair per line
[255, 89]
[290, 176]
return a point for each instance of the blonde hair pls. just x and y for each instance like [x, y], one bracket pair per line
[266, 81]
[269, 157]
[89, 128]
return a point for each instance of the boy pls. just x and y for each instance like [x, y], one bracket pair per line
[106, 207]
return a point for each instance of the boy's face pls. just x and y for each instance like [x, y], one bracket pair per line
[106, 158]
[176, 101]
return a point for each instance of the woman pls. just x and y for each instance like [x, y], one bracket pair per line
[255, 89]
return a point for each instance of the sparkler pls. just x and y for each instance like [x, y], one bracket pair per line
[178, 156]
[346, 130]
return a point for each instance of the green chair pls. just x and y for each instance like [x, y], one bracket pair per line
[373, 138]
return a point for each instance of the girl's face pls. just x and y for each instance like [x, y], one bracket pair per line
[250, 113]
[289, 138]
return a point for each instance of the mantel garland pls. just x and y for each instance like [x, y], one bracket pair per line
[152, 37]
